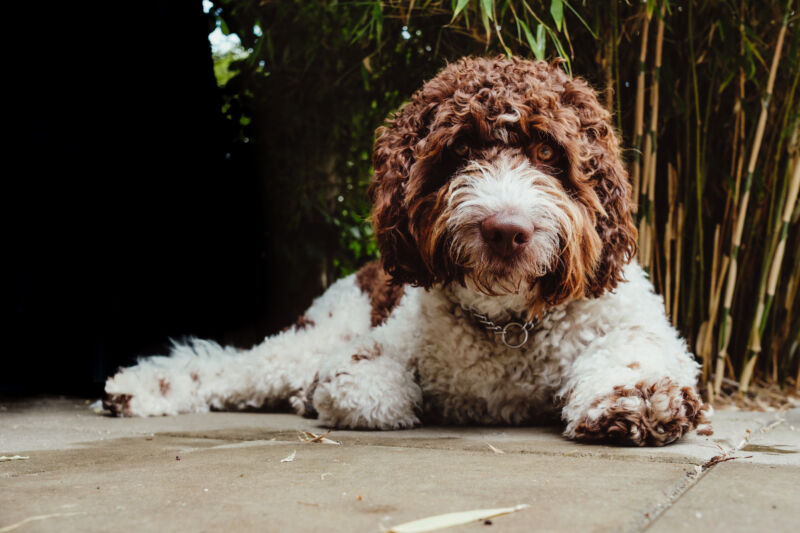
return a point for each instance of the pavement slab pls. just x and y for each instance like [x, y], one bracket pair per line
[204, 472]
[737, 497]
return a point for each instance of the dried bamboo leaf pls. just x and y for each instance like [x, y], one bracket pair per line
[307, 436]
[433, 523]
[495, 450]
[289, 458]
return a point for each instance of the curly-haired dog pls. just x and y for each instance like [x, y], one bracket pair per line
[506, 296]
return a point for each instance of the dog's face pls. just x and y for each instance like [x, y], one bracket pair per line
[503, 175]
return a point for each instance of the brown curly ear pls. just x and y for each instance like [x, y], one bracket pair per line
[616, 228]
[593, 264]
[602, 169]
[392, 159]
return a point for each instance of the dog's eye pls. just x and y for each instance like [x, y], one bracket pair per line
[545, 152]
[461, 149]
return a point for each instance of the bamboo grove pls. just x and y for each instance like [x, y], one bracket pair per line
[705, 98]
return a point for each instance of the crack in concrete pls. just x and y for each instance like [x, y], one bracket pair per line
[693, 478]
[37, 518]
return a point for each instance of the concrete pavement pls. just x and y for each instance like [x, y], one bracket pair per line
[89, 472]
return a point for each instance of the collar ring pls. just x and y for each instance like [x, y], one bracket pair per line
[522, 335]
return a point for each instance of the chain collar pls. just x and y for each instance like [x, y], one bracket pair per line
[513, 328]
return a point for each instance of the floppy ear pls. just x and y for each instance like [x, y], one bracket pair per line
[392, 160]
[592, 262]
[616, 228]
[602, 169]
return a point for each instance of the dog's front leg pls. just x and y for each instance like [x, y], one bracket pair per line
[366, 387]
[633, 387]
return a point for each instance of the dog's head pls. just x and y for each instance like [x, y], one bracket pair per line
[503, 175]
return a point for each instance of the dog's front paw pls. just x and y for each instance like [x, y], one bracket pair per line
[369, 392]
[643, 415]
[342, 403]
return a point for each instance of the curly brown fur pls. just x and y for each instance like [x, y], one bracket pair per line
[661, 413]
[383, 295]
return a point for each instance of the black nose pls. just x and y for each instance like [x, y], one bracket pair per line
[506, 234]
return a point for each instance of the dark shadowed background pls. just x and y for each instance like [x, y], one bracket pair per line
[131, 223]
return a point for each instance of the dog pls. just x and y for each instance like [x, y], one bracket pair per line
[506, 291]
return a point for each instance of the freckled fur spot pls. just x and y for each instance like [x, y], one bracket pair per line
[301, 323]
[383, 295]
[367, 355]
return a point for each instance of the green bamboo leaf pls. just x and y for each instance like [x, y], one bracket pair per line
[651, 6]
[536, 44]
[540, 38]
[557, 11]
[561, 51]
[529, 37]
[459, 8]
[749, 65]
[726, 81]
[486, 25]
[585, 24]
[377, 18]
[749, 45]
[487, 8]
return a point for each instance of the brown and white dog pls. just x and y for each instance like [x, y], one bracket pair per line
[506, 295]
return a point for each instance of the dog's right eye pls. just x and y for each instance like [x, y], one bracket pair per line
[461, 149]
[545, 152]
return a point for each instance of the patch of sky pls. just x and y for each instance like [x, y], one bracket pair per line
[222, 44]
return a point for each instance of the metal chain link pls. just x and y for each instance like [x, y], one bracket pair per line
[503, 331]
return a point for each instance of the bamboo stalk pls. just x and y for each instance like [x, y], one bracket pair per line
[608, 70]
[777, 260]
[648, 236]
[656, 277]
[638, 121]
[714, 263]
[705, 333]
[678, 250]
[739, 227]
[697, 288]
[740, 149]
[738, 108]
[669, 235]
[617, 92]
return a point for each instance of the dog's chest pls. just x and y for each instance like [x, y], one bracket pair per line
[469, 375]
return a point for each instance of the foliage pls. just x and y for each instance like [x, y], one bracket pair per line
[321, 76]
